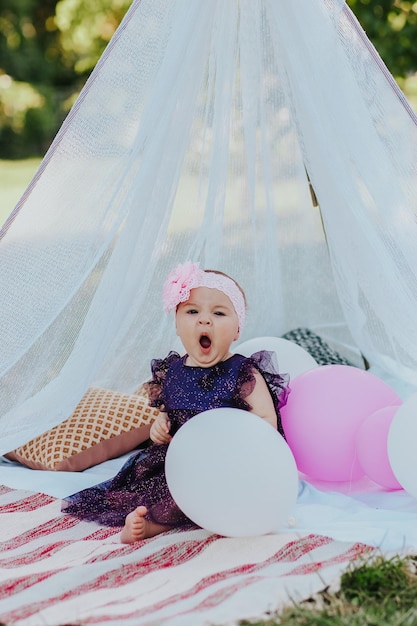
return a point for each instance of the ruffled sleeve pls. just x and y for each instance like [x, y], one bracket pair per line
[159, 368]
[266, 363]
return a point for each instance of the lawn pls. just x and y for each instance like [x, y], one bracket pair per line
[14, 178]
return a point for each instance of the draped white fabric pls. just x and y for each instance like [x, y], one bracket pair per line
[191, 140]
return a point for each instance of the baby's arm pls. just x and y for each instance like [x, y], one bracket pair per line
[261, 401]
[160, 429]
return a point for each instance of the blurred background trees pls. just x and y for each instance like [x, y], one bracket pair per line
[47, 50]
[392, 27]
[49, 47]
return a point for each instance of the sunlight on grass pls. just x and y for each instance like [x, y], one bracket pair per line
[14, 178]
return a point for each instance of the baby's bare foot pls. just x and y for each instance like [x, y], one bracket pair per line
[137, 527]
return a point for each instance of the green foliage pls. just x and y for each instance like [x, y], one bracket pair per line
[51, 46]
[33, 81]
[26, 118]
[47, 50]
[29, 42]
[86, 29]
[392, 27]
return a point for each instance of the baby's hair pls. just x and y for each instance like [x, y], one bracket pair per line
[236, 283]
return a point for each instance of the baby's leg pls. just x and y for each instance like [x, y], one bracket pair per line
[137, 527]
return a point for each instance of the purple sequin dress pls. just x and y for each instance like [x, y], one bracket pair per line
[184, 392]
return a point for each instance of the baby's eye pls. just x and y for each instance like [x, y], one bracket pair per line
[192, 311]
[219, 313]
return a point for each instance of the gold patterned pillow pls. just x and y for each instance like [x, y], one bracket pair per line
[104, 425]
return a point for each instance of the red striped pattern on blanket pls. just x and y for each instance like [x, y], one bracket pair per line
[55, 570]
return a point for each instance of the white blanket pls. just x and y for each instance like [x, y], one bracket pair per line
[57, 570]
[360, 511]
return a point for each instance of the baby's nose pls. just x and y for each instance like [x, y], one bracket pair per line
[204, 319]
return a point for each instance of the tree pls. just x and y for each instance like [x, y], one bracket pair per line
[47, 50]
[86, 29]
[49, 47]
[29, 41]
[391, 25]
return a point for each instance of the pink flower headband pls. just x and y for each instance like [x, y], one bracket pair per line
[188, 276]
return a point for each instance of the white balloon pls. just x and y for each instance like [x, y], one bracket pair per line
[402, 437]
[291, 357]
[232, 473]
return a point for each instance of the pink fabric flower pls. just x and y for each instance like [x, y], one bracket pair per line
[189, 276]
[179, 283]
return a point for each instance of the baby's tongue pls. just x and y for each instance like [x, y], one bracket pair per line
[205, 342]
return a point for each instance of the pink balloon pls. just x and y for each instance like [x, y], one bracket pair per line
[372, 447]
[324, 410]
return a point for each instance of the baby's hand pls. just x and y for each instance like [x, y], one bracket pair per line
[160, 429]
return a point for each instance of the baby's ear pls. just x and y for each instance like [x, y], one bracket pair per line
[237, 335]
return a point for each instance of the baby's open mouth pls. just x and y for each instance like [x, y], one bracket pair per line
[205, 342]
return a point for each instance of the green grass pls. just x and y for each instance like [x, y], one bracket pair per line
[375, 592]
[14, 178]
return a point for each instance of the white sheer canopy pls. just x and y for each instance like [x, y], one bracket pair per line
[192, 139]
